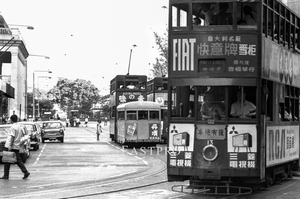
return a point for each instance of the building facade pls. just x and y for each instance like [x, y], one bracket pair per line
[13, 54]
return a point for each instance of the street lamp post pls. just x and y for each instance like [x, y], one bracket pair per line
[48, 77]
[33, 92]
[133, 46]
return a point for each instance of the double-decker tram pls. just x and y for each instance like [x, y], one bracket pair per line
[139, 123]
[234, 69]
[123, 89]
[157, 91]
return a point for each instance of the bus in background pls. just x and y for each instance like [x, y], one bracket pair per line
[139, 123]
[157, 91]
[125, 88]
[237, 72]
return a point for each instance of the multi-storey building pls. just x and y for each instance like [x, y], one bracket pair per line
[13, 54]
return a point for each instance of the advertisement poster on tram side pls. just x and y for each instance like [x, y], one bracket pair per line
[282, 144]
[280, 64]
[125, 97]
[181, 137]
[242, 146]
[214, 55]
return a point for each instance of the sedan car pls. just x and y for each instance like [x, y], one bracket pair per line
[53, 130]
[34, 131]
[25, 147]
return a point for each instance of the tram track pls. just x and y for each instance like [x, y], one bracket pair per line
[129, 181]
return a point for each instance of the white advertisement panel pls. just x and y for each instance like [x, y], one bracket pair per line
[282, 144]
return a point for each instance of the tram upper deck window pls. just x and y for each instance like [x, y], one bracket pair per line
[154, 115]
[143, 115]
[121, 115]
[247, 15]
[131, 115]
[120, 85]
[180, 15]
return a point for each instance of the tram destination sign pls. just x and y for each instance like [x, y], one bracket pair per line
[211, 65]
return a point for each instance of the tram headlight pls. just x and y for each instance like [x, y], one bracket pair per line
[210, 153]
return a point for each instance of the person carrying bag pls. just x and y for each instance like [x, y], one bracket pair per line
[13, 144]
[9, 157]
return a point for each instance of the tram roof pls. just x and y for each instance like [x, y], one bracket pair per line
[139, 105]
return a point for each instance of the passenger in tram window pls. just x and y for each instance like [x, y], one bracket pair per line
[241, 22]
[196, 21]
[249, 17]
[207, 14]
[210, 109]
[223, 18]
[248, 109]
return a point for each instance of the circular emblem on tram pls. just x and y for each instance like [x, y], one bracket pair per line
[131, 97]
[160, 100]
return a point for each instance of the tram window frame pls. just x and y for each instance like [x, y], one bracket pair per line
[154, 115]
[121, 115]
[183, 101]
[180, 19]
[251, 96]
[143, 115]
[131, 115]
[217, 96]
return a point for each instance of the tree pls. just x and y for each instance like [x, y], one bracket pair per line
[76, 94]
[160, 68]
[44, 104]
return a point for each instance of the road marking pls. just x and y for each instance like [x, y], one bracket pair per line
[38, 157]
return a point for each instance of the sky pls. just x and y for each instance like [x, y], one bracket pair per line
[87, 39]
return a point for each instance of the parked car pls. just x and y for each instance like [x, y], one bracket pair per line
[34, 131]
[53, 130]
[25, 148]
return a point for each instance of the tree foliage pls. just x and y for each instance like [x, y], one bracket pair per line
[160, 67]
[76, 94]
[44, 104]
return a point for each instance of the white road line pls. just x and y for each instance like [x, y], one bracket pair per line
[38, 157]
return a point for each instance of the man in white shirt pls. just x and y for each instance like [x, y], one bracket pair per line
[246, 111]
[13, 143]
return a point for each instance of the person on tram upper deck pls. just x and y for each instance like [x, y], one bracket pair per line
[247, 110]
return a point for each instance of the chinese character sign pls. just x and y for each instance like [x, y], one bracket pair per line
[215, 54]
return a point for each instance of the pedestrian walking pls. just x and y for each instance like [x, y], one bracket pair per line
[14, 143]
[99, 129]
[86, 121]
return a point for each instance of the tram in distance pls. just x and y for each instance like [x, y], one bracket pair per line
[157, 91]
[123, 89]
[139, 122]
[236, 70]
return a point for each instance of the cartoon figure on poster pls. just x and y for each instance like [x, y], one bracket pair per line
[181, 137]
[242, 138]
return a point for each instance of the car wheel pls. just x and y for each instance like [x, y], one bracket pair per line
[62, 140]
[43, 140]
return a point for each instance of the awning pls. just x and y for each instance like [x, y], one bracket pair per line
[7, 90]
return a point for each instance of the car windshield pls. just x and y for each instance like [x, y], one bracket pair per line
[53, 125]
[29, 128]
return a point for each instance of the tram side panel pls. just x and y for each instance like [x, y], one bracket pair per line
[282, 144]
[212, 151]
[133, 131]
